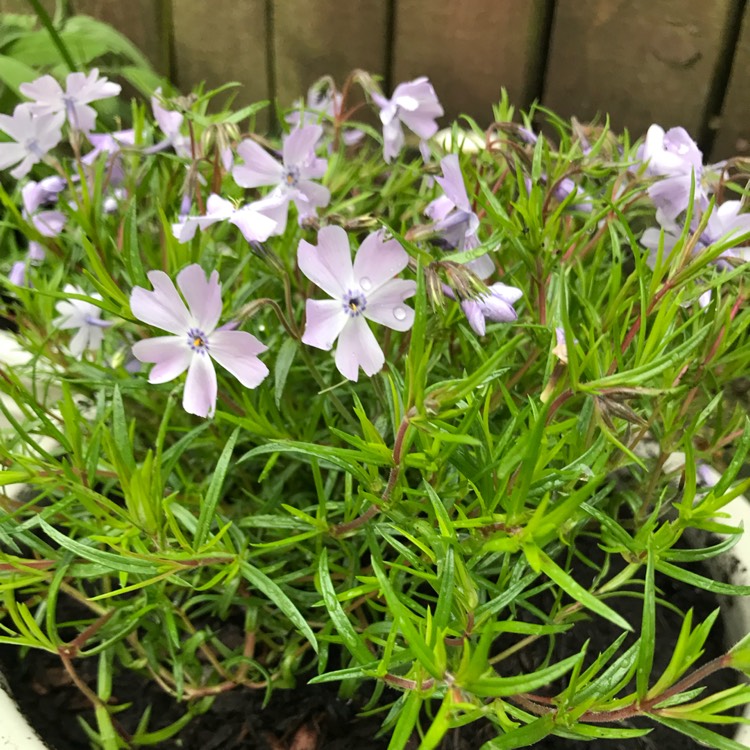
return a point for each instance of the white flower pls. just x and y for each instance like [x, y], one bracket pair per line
[34, 136]
[86, 317]
[80, 90]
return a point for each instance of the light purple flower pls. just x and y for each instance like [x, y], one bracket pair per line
[195, 338]
[496, 306]
[110, 144]
[170, 123]
[365, 290]
[676, 158]
[254, 225]
[454, 218]
[33, 137]
[413, 104]
[725, 222]
[86, 317]
[17, 273]
[36, 194]
[292, 179]
[321, 105]
[73, 103]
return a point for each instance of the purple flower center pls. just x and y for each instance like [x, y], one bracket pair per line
[354, 303]
[197, 341]
[291, 176]
[33, 147]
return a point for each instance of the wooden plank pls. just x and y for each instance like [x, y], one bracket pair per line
[640, 62]
[218, 41]
[326, 37]
[469, 50]
[733, 135]
[138, 20]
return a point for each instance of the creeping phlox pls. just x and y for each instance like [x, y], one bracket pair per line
[362, 291]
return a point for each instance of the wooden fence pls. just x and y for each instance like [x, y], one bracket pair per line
[673, 62]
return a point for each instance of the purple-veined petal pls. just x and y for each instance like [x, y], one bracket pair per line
[328, 265]
[482, 266]
[438, 209]
[314, 195]
[386, 305]
[236, 351]
[473, 312]
[163, 307]
[357, 348]
[274, 206]
[255, 226]
[378, 260]
[203, 296]
[324, 321]
[259, 169]
[199, 397]
[170, 354]
[452, 182]
[299, 145]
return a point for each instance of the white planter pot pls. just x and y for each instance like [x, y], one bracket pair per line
[16, 734]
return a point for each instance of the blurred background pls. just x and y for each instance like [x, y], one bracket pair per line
[674, 62]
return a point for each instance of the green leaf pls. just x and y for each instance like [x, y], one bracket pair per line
[284, 360]
[13, 73]
[211, 500]
[352, 640]
[525, 736]
[272, 590]
[578, 593]
[700, 734]
[694, 579]
[499, 687]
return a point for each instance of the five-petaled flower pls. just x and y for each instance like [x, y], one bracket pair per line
[74, 102]
[365, 290]
[86, 317]
[454, 217]
[414, 104]
[292, 178]
[34, 136]
[195, 338]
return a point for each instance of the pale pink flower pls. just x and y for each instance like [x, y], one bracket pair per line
[365, 290]
[170, 123]
[73, 103]
[292, 178]
[255, 226]
[32, 138]
[86, 317]
[195, 338]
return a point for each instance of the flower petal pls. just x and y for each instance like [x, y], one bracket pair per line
[203, 296]
[299, 145]
[357, 348]
[171, 354]
[378, 260]
[255, 226]
[386, 306]
[473, 312]
[163, 307]
[236, 351]
[324, 320]
[199, 397]
[329, 265]
[452, 182]
[259, 169]
[313, 194]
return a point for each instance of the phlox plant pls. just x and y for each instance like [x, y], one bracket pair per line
[403, 416]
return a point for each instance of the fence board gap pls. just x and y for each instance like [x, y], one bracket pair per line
[733, 135]
[640, 62]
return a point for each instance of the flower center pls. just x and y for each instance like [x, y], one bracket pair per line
[291, 176]
[354, 303]
[197, 341]
[33, 147]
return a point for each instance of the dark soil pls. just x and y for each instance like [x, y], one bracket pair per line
[314, 718]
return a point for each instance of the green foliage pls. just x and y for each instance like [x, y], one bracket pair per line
[478, 500]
